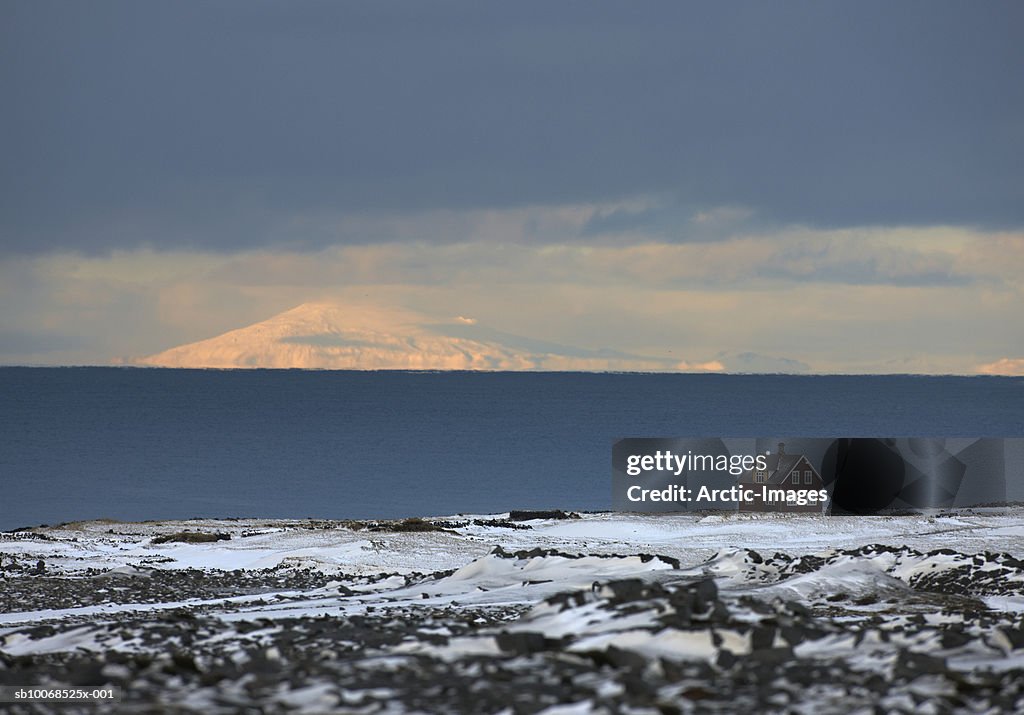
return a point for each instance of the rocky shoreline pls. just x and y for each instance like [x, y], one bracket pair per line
[523, 630]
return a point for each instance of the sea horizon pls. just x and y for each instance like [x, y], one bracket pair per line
[138, 444]
[721, 373]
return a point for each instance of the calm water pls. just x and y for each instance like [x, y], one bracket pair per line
[79, 443]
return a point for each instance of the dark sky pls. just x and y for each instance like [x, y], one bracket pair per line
[220, 125]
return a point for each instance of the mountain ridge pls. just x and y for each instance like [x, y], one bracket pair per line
[324, 335]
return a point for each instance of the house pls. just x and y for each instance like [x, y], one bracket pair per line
[785, 472]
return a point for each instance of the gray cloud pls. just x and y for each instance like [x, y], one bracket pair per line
[25, 342]
[773, 261]
[657, 300]
[669, 219]
[243, 124]
[865, 265]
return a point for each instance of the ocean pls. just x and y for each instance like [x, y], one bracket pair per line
[140, 444]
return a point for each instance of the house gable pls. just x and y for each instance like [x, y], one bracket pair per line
[781, 469]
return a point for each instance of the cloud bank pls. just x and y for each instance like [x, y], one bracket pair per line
[280, 119]
[821, 186]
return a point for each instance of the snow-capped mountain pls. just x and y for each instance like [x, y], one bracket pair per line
[332, 336]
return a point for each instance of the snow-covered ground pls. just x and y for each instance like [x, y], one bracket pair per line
[333, 546]
[603, 612]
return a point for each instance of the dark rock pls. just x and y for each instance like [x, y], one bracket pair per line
[673, 562]
[521, 642]
[622, 658]
[954, 639]
[1015, 636]
[796, 634]
[705, 593]
[726, 659]
[182, 662]
[772, 656]
[625, 590]
[798, 609]
[909, 665]
[762, 637]
[527, 515]
[85, 673]
[191, 537]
